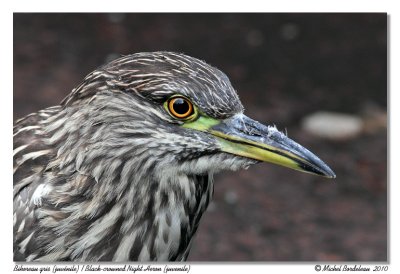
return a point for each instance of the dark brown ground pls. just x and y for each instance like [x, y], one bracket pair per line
[284, 67]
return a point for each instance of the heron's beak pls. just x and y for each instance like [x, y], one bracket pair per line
[243, 136]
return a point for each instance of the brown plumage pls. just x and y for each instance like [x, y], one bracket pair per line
[112, 174]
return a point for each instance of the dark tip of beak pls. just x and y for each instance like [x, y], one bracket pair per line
[268, 144]
[318, 167]
[306, 160]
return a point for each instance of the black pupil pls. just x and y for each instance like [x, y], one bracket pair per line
[181, 106]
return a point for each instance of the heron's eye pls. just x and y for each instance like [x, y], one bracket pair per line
[180, 107]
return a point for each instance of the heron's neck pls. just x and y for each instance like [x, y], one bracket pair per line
[131, 214]
[163, 225]
[137, 204]
[159, 217]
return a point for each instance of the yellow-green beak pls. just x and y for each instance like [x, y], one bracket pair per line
[243, 136]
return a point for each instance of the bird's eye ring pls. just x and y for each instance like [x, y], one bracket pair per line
[180, 107]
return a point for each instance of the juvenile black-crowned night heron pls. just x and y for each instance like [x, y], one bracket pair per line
[122, 169]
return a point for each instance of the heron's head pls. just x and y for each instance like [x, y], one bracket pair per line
[175, 112]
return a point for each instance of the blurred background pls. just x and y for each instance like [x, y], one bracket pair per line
[320, 77]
